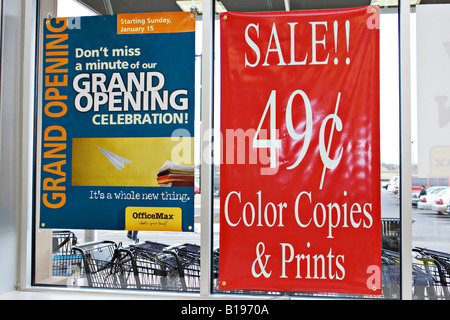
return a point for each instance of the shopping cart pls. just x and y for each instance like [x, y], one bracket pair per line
[189, 256]
[187, 259]
[108, 265]
[390, 234]
[390, 264]
[165, 267]
[216, 265]
[429, 278]
[64, 261]
[63, 241]
[158, 269]
[434, 269]
[442, 260]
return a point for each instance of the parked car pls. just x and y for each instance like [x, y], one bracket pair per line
[448, 209]
[396, 187]
[427, 200]
[441, 202]
[391, 184]
[415, 198]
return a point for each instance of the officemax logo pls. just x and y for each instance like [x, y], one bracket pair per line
[154, 219]
[157, 216]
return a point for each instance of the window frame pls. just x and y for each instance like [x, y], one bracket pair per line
[32, 13]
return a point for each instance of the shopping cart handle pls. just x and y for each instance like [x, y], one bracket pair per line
[93, 243]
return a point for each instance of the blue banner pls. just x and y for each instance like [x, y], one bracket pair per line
[117, 122]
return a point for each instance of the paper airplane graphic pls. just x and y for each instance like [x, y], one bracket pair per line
[116, 160]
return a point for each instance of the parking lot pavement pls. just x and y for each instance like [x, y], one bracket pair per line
[430, 230]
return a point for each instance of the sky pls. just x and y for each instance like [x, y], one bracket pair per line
[71, 8]
[389, 88]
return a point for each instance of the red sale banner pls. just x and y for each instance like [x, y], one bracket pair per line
[300, 184]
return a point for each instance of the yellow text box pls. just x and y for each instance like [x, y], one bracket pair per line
[153, 218]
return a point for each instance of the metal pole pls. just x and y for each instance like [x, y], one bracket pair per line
[405, 149]
[206, 177]
[108, 7]
[90, 235]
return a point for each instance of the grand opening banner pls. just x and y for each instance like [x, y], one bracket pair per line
[300, 182]
[116, 122]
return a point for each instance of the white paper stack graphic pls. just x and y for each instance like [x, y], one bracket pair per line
[117, 161]
[173, 174]
[169, 165]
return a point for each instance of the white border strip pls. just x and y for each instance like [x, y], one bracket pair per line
[405, 149]
[206, 175]
[26, 136]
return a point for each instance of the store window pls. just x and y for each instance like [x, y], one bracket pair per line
[389, 121]
[119, 258]
[430, 158]
[166, 261]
